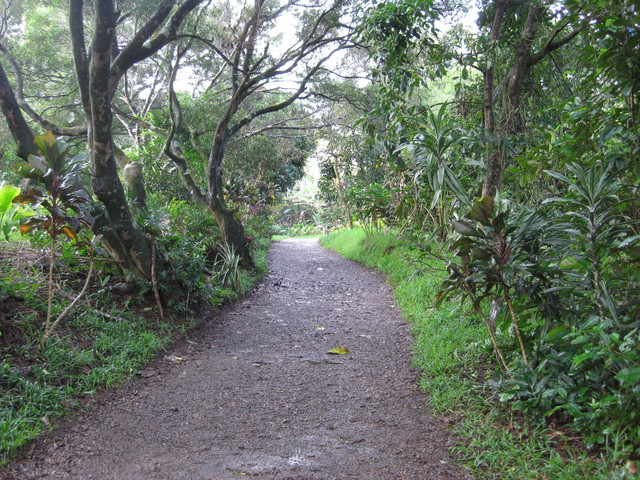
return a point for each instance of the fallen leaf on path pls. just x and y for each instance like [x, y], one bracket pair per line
[339, 350]
[174, 358]
[148, 373]
[319, 327]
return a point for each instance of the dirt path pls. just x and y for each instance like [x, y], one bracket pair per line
[257, 395]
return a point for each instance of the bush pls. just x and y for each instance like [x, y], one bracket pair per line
[566, 277]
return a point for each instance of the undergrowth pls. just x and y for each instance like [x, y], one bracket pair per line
[91, 353]
[454, 357]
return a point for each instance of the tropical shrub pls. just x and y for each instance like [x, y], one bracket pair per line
[498, 249]
[587, 366]
[564, 280]
[371, 206]
[61, 206]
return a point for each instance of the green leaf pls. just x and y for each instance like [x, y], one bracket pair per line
[27, 171]
[45, 142]
[557, 333]
[7, 194]
[33, 196]
[625, 243]
[610, 131]
[498, 223]
[464, 228]
[629, 374]
[456, 186]
[339, 350]
[559, 176]
[482, 211]
[578, 359]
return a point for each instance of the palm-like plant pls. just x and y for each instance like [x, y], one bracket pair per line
[433, 150]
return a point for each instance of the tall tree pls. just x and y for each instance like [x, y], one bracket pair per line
[249, 66]
[99, 70]
[529, 47]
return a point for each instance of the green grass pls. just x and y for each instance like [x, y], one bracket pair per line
[452, 351]
[65, 372]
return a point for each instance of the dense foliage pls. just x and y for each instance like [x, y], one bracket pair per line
[548, 258]
[507, 148]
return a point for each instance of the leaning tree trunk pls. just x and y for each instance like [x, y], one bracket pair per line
[231, 229]
[121, 235]
[18, 126]
[233, 234]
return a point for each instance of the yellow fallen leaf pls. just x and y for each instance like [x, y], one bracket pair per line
[339, 350]
[174, 358]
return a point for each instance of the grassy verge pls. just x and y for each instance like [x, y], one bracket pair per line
[453, 353]
[39, 385]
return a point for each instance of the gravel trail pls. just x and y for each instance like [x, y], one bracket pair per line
[254, 394]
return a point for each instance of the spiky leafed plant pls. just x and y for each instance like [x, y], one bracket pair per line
[593, 230]
[228, 263]
[433, 151]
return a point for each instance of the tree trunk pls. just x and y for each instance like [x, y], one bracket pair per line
[494, 157]
[134, 181]
[18, 126]
[233, 234]
[506, 124]
[122, 237]
[231, 230]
